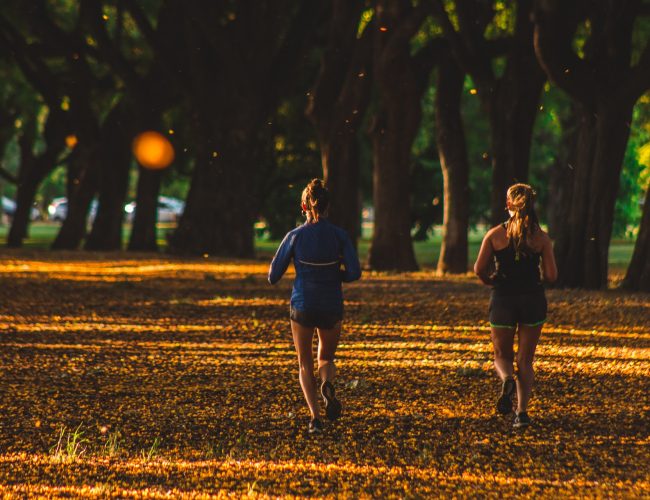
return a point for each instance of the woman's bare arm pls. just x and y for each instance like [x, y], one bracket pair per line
[549, 268]
[482, 264]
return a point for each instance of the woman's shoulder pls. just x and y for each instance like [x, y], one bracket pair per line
[496, 232]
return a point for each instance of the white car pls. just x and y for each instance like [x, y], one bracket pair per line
[9, 208]
[58, 209]
[169, 209]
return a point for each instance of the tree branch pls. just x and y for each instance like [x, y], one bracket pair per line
[469, 46]
[553, 36]
[337, 58]
[91, 12]
[8, 176]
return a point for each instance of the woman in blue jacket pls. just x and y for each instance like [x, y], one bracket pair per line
[323, 257]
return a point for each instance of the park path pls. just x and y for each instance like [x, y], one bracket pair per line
[181, 380]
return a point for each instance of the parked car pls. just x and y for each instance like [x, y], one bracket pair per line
[169, 209]
[9, 209]
[58, 209]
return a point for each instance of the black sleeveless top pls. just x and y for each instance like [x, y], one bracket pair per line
[516, 272]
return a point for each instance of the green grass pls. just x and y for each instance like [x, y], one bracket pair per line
[42, 234]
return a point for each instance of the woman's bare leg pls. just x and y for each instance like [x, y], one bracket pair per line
[502, 342]
[303, 341]
[528, 339]
[328, 341]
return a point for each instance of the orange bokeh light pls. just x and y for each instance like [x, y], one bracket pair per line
[153, 150]
[71, 141]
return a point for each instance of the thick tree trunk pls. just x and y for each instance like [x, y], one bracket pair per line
[337, 106]
[401, 79]
[393, 134]
[512, 117]
[33, 169]
[606, 87]
[512, 111]
[455, 167]
[83, 180]
[221, 206]
[25, 194]
[143, 231]
[562, 173]
[582, 246]
[106, 233]
[340, 159]
[638, 272]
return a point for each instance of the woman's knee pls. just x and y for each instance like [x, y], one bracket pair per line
[505, 354]
[306, 364]
[524, 360]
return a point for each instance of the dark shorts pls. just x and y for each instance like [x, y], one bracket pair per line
[316, 319]
[508, 311]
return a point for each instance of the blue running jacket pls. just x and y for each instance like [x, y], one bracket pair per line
[318, 250]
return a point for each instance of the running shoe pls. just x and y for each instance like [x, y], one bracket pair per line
[521, 420]
[315, 426]
[332, 405]
[504, 403]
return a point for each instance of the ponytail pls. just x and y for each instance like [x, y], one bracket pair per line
[523, 222]
[316, 198]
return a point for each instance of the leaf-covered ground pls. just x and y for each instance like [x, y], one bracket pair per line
[132, 377]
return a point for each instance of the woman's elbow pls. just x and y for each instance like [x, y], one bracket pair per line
[550, 276]
[477, 269]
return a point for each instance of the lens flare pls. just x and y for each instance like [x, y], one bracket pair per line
[153, 150]
[71, 141]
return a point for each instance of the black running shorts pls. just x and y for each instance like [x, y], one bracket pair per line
[508, 311]
[316, 319]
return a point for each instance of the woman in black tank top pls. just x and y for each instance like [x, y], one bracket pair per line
[522, 256]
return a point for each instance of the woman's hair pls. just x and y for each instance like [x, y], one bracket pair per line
[316, 198]
[524, 221]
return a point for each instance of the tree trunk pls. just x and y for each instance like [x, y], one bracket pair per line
[143, 231]
[25, 194]
[562, 173]
[83, 179]
[638, 272]
[337, 106]
[106, 233]
[512, 112]
[455, 167]
[511, 132]
[33, 169]
[340, 159]
[511, 100]
[583, 246]
[606, 88]
[401, 81]
[221, 206]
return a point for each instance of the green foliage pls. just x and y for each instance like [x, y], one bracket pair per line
[635, 173]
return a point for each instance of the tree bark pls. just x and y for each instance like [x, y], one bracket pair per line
[511, 101]
[83, 181]
[512, 112]
[143, 231]
[33, 169]
[232, 97]
[221, 206]
[401, 80]
[115, 157]
[337, 105]
[561, 176]
[638, 272]
[455, 167]
[605, 98]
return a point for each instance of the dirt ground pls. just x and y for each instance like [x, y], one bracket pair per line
[132, 376]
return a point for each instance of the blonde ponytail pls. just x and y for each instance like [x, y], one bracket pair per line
[523, 221]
